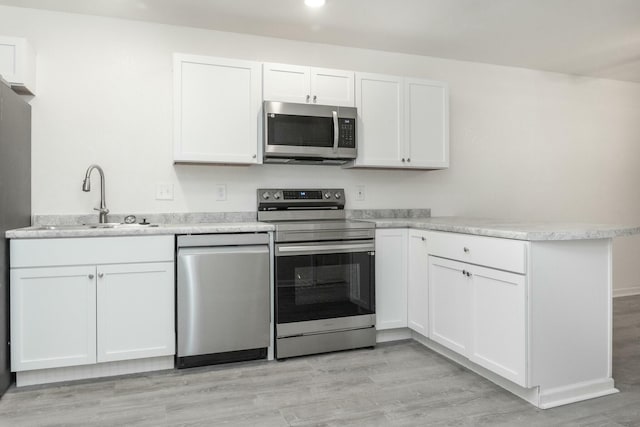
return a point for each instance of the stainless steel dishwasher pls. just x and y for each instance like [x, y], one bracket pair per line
[223, 305]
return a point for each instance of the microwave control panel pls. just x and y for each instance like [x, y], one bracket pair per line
[347, 135]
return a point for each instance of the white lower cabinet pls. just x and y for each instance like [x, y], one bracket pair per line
[498, 322]
[391, 279]
[135, 314]
[449, 304]
[53, 317]
[417, 282]
[480, 313]
[104, 310]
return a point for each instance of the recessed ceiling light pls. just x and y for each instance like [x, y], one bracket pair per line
[314, 3]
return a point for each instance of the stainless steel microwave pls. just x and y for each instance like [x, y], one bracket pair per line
[308, 134]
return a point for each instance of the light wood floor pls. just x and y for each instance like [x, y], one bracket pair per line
[400, 384]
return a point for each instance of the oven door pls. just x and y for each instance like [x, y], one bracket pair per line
[324, 280]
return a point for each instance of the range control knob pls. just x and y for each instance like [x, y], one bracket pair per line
[327, 195]
[337, 195]
[265, 195]
[276, 196]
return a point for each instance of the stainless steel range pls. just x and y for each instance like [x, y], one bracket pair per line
[324, 272]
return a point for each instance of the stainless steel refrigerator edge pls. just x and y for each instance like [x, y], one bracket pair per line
[15, 200]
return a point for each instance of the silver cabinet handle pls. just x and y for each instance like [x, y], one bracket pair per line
[408, 160]
[464, 272]
[466, 250]
[403, 160]
[423, 238]
[91, 276]
[308, 98]
[336, 134]
[101, 275]
[254, 156]
[468, 274]
[315, 98]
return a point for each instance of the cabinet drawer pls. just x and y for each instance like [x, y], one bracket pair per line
[90, 250]
[503, 254]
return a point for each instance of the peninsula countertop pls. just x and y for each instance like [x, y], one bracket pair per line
[510, 229]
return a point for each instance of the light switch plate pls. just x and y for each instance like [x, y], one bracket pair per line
[164, 192]
[360, 193]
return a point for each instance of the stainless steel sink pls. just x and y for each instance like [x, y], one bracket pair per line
[92, 226]
[104, 225]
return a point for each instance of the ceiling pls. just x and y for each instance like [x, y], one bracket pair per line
[598, 38]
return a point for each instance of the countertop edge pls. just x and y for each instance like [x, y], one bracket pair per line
[590, 231]
[168, 229]
[518, 231]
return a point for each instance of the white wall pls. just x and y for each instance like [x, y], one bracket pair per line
[524, 144]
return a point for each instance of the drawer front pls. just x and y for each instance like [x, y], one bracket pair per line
[91, 250]
[503, 254]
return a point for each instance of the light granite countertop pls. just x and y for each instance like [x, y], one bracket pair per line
[36, 232]
[511, 229]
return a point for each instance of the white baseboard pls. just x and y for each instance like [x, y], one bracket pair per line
[626, 292]
[393, 335]
[82, 372]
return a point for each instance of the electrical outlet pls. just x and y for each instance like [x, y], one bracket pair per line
[221, 192]
[164, 192]
[360, 194]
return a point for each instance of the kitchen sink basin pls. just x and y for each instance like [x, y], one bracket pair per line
[93, 226]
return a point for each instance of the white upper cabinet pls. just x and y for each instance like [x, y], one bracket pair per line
[402, 122]
[286, 83]
[380, 129]
[217, 104]
[332, 87]
[426, 124]
[308, 85]
[18, 64]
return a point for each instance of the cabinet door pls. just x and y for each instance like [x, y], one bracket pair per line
[216, 110]
[417, 282]
[426, 124]
[135, 311]
[332, 87]
[286, 83]
[391, 278]
[18, 64]
[449, 304]
[53, 317]
[498, 319]
[380, 131]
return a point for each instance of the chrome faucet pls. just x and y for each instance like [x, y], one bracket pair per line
[86, 186]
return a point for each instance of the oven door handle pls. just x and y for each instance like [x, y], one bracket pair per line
[291, 250]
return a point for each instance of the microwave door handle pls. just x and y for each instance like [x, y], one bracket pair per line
[336, 134]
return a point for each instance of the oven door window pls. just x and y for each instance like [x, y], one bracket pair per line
[301, 131]
[323, 286]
